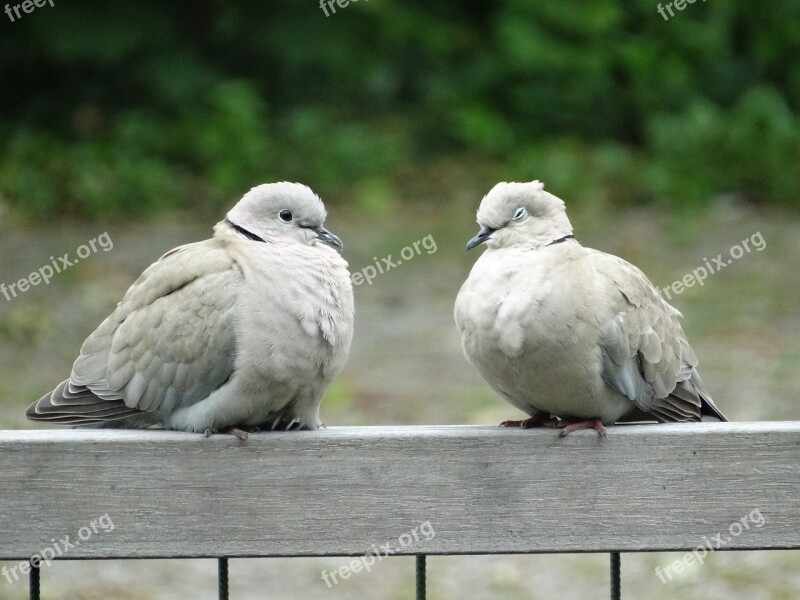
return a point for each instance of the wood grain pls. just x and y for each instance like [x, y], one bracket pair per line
[339, 491]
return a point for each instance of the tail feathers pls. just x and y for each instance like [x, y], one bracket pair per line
[69, 404]
[708, 407]
[687, 402]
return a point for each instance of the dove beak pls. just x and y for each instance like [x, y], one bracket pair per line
[327, 237]
[483, 235]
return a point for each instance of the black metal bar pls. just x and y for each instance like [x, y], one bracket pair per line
[421, 577]
[616, 576]
[34, 583]
[223, 578]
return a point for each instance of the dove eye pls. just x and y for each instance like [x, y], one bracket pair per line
[286, 216]
[520, 214]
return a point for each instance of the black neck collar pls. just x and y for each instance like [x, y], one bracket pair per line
[248, 234]
[559, 240]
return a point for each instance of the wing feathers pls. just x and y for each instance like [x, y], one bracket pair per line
[169, 342]
[646, 355]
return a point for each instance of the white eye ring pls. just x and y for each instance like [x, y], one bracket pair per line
[520, 214]
[286, 215]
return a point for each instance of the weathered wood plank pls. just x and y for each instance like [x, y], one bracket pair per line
[341, 490]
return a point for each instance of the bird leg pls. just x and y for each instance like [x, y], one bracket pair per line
[239, 433]
[588, 424]
[535, 421]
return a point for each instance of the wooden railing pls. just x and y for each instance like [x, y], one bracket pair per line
[346, 491]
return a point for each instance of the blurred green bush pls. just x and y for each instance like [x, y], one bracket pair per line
[121, 108]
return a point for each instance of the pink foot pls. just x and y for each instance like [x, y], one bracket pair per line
[239, 433]
[242, 435]
[590, 424]
[537, 421]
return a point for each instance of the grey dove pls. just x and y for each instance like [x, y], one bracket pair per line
[243, 331]
[574, 337]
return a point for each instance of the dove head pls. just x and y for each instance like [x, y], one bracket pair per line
[521, 214]
[281, 212]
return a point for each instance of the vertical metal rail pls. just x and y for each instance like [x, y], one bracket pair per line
[34, 583]
[616, 576]
[222, 570]
[421, 576]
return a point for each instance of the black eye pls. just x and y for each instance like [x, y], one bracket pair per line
[520, 214]
[285, 216]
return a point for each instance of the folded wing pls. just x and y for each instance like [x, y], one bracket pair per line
[646, 355]
[169, 343]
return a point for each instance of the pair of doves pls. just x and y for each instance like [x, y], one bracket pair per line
[245, 331]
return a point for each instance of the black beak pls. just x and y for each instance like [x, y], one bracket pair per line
[327, 237]
[483, 235]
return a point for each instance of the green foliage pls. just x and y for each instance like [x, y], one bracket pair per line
[753, 149]
[116, 108]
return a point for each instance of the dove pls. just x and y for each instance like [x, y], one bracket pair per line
[574, 337]
[240, 332]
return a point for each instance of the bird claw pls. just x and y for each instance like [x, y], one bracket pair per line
[536, 421]
[595, 424]
[239, 433]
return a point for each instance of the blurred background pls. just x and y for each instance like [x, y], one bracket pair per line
[671, 140]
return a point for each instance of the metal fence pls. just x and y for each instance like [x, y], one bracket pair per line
[421, 575]
[183, 496]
